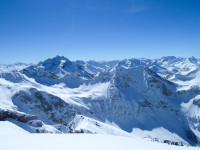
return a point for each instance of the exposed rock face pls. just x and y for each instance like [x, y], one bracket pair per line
[40, 103]
[21, 117]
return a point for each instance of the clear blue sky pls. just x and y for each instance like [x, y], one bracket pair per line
[33, 30]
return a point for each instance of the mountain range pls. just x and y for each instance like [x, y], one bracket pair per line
[155, 99]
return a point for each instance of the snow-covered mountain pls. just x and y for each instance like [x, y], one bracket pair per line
[156, 99]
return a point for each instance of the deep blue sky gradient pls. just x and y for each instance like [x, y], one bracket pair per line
[33, 30]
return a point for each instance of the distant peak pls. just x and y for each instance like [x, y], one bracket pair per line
[56, 60]
[192, 58]
[60, 58]
[169, 57]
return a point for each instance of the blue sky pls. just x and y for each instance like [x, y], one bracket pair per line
[33, 30]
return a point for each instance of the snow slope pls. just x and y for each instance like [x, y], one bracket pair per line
[158, 134]
[10, 128]
[80, 141]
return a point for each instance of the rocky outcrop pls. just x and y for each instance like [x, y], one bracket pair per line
[21, 117]
[43, 104]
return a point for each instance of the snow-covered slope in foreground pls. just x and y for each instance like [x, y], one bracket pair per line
[80, 142]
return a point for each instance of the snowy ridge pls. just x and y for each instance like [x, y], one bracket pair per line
[133, 97]
[82, 124]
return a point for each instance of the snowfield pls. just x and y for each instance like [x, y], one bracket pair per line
[13, 137]
[80, 142]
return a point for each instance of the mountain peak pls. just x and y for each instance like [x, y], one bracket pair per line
[58, 58]
[168, 58]
[193, 59]
[55, 61]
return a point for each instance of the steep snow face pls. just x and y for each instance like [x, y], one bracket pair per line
[7, 90]
[116, 97]
[192, 112]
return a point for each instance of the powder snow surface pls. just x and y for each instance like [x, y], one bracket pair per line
[79, 141]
